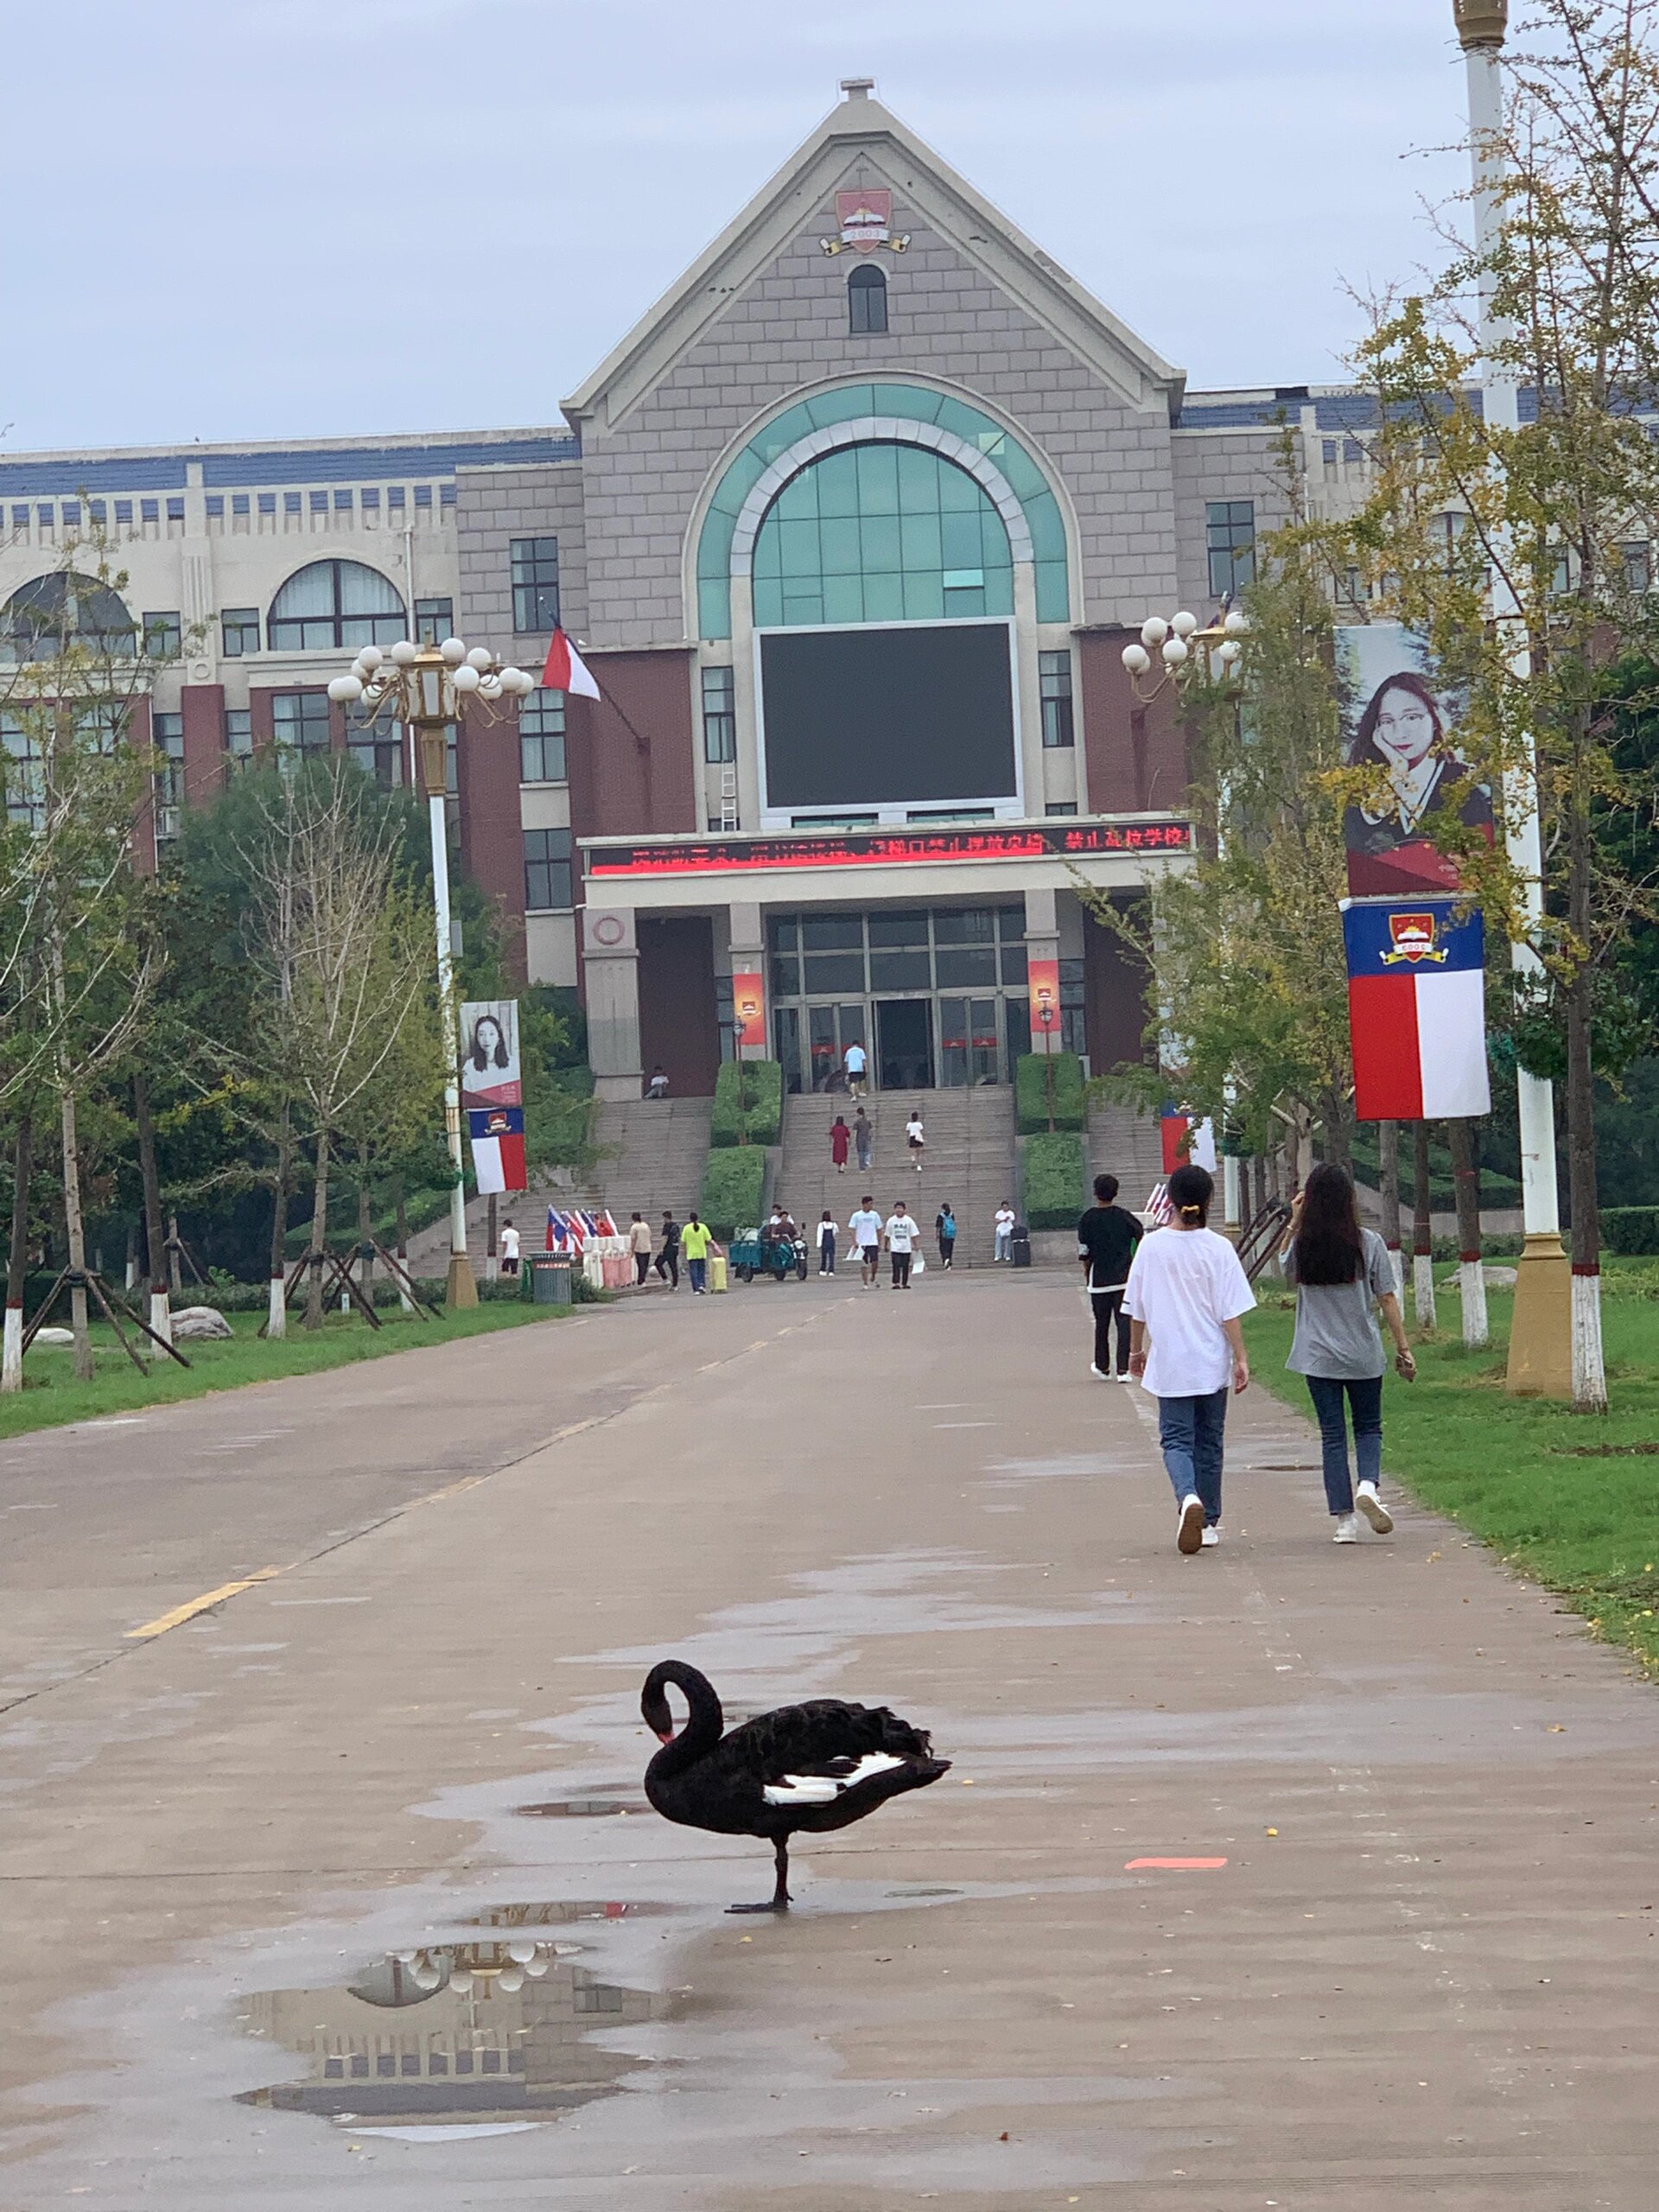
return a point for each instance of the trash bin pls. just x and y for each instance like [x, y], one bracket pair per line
[1019, 1244]
[716, 1271]
[547, 1278]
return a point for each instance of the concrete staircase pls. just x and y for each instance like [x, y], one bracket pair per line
[651, 1153]
[968, 1160]
[1128, 1145]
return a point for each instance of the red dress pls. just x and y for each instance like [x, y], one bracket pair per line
[840, 1137]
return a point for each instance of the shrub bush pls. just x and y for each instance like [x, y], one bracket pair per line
[734, 1184]
[1054, 1180]
[1031, 1092]
[1630, 1228]
[763, 1100]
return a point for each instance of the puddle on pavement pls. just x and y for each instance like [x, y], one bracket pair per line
[583, 1808]
[487, 2034]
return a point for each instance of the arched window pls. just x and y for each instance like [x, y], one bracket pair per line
[334, 603]
[51, 612]
[867, 300]
[881, 533]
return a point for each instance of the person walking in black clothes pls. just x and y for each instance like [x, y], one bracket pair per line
[1107, 1236]
[668, 1260]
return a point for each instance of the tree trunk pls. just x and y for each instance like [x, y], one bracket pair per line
[1422, 1231]
[276, 1316]
[1388, 1186]
[1471, 1276]
[75, 1229]
[154, 1245]
[319, 1232]
[489, 1241]
[175, 1271]
[404, 1298]
[1338, 1132]
[365, 1225]
[1589, 1367]
[130, 1280]
[11, 1365]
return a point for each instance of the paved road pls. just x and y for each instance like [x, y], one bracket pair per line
[1425, 1971]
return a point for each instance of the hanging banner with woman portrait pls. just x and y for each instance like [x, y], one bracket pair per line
[493, 1093]
[1400, 720]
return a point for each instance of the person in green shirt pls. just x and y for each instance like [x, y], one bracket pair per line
[696, 1241]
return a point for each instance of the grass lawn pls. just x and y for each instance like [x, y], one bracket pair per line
[1568, 1498]
[51, 1394]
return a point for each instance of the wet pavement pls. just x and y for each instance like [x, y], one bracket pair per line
[1283, 1876]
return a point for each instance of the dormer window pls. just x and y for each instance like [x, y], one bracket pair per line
[867, 301]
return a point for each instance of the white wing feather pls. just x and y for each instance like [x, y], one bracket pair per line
[825, 1789]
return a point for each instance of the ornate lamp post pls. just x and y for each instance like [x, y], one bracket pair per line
[1221, 643]
[426, 687]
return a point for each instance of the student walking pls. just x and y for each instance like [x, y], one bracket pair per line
[903, 1228]
[827, 1245]
[841, 1138]
[509, 1247]
[1006, 1218]
[1185, 1293]
[863, 1138]
[945, 1228]
[865, 1229]
[668, 1259]
[915, 1137]
[696, 1241]
[1343, 1273]
[1107, 1235]
[639, 1245]
[852, 1061]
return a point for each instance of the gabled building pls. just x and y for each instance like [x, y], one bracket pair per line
[852, 526]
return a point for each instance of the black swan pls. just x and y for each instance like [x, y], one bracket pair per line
[814, 1766]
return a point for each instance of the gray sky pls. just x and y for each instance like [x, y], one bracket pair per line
[309, 218]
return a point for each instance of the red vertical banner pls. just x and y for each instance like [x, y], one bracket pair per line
[749, 1005]
[1043, 981]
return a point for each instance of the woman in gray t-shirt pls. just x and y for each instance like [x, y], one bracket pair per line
[1343, 1273]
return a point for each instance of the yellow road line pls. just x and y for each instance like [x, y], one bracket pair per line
[179, 1614]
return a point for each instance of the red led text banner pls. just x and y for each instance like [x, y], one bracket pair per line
[881, 848]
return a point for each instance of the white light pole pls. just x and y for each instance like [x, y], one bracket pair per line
[427, 687]
[1540, 1335]
[1172, 642]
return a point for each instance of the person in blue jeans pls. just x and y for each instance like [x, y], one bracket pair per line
[1343, 1275]
[1184, 1297]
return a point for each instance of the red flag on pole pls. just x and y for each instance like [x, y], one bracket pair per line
[566, 670]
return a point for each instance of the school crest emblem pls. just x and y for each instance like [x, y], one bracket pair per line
[864, 225]
[1412, 939]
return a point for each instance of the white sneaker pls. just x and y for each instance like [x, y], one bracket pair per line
[1211, 1538]
[1125, 1376]
[1098, 1373]
[1346, 1530]
[1371, 1506]
[1189, 1533]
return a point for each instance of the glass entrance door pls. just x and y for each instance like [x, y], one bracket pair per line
[903, 1031]
[969, 1044]
[830, 1030]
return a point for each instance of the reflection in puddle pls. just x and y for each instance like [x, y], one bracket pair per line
[477, 2034]
[582, 1809]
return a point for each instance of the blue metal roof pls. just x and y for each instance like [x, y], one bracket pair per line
[1333, 410]
[285, 465]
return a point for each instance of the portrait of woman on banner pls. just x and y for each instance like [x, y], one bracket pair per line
[1388, 836]
[490, 1072]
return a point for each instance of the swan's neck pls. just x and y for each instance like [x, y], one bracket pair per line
[704, 1725]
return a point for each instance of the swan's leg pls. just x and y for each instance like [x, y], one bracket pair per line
[778, 1901]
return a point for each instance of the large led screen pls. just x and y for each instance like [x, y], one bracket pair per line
[887, 717]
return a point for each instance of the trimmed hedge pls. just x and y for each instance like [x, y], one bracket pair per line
[1031, 1092]
[1630, 1228]
[1055, 1177]
[734, 1184]
[763, 1100]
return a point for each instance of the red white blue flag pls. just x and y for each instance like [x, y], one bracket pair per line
[1417, 1008]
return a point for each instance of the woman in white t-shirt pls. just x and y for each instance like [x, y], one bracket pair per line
[915, 1137]
[1185, 1293]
